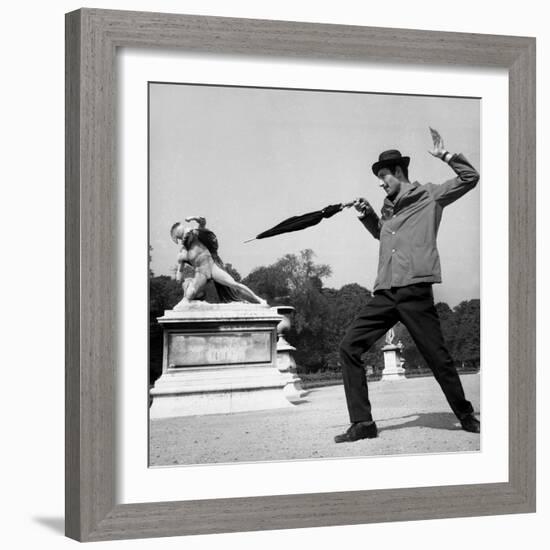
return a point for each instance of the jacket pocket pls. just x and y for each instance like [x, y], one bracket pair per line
[424, 262]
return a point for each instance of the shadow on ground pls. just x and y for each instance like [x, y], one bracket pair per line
[435, 420]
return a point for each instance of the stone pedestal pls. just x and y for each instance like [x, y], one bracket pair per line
[219, 358]
[393, 369]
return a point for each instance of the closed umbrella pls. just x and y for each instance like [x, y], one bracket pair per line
[297, 223]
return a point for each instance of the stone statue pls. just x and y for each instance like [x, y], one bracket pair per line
[390, 337]
[199, 249]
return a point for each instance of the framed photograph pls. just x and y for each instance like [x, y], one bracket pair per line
[186, 137]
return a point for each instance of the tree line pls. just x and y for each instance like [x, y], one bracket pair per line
[322, 315]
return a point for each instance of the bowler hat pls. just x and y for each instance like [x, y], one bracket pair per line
[390, 158]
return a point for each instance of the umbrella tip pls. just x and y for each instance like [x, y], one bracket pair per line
[250, 240]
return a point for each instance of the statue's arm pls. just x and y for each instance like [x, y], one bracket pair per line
[179, 272]
[199, 219]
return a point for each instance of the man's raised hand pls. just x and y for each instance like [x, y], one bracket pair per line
[438, 148]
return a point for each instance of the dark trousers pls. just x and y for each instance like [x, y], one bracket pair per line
[413, 305]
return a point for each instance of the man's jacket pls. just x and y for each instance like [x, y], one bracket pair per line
[408, 227]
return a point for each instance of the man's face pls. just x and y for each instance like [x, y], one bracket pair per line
[390, 183]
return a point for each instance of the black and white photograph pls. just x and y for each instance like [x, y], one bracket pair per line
[314, 274]
[234, 343]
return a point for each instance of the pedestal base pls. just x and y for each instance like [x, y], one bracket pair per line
[219, 358]
[214, 391]
[392, 363]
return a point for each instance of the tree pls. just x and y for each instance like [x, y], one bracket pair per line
[296, 280]
[164, 293]
[466, 327]
[151, 274]
[288, 277]
[460, 328]
[344, 305]
[270, 283]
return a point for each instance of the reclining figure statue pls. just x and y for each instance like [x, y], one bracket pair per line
[199, 249]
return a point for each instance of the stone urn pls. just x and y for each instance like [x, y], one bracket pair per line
[285, 323]
[285, 361]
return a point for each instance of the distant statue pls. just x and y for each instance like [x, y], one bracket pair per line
[199, 249]
[390, 337]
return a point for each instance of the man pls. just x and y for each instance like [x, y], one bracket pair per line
[408, 266]
[199, 249]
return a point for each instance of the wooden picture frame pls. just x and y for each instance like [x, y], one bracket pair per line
[92, 39]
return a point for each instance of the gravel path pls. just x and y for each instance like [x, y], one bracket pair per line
[412, 417]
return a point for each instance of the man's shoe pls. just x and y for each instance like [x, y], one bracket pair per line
[471, 424]
[358, 430]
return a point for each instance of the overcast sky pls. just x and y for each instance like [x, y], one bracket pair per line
[246, 159]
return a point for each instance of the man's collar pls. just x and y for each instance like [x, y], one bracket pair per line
[406, 187]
